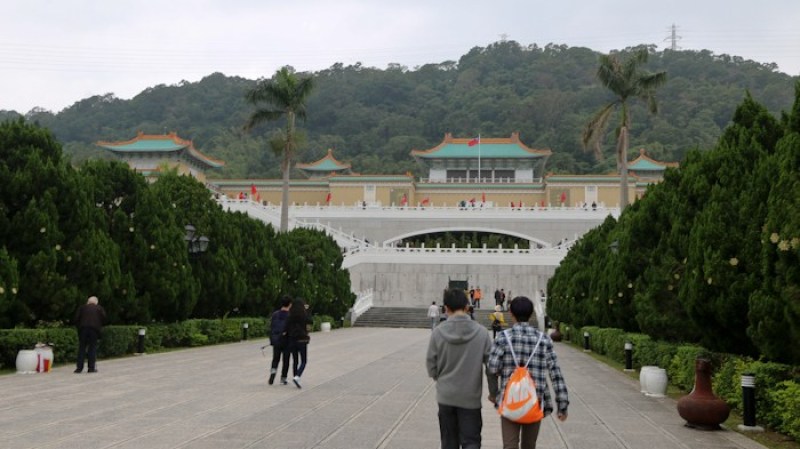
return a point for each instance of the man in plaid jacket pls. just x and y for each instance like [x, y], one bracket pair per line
[501, 363]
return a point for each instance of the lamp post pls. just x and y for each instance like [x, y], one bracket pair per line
[628, 356]
[140, 341]
[196, 245]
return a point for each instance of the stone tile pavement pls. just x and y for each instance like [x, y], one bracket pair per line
[363, 388]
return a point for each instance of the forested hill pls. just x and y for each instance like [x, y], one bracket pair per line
[374, 117]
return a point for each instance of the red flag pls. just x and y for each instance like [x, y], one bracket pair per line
[328, 198]
[483, 197]
[563, 197]
[253, 189]
[474, 141]
[426, 200]
[404, 200]
[542, 203]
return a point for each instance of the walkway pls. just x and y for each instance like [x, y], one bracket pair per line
[364, 388]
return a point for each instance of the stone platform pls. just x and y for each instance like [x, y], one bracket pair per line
[363, 388]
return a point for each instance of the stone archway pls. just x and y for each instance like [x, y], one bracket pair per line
[538, 242]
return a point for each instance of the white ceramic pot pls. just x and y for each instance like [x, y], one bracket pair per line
[643, 375]
[325, 327]
[26, 361]
[657, 383]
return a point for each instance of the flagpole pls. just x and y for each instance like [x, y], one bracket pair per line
[479, 158]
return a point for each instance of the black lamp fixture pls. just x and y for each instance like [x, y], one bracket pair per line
[197, 245]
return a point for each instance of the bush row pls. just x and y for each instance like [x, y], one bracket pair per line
[777, 385]
[123, 340]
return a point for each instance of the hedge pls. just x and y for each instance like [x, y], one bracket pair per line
[118, 341]
[777, 385]
[123, 340]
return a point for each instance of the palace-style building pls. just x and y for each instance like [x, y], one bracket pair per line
[470, 172]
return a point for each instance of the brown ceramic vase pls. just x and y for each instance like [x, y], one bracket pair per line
[700, 408]
[556, 335]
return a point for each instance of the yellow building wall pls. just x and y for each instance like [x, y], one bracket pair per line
[347, 194]
[391, 193]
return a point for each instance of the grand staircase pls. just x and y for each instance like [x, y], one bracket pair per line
[412, 317]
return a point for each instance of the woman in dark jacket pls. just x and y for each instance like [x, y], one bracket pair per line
[298, 337]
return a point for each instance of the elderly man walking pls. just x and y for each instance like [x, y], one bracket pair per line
[89, 319]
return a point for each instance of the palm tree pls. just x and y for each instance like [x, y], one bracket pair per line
[282, 96]
[627, 82]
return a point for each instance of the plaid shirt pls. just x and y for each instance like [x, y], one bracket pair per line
[524, 338]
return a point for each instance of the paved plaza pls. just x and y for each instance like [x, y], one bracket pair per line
[363, 388]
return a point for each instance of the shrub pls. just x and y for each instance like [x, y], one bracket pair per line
[681, 367]
[786, 399]
[115, 341]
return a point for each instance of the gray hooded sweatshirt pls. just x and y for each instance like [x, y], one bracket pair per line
[456, 359]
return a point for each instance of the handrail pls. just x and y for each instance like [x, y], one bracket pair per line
[362, 304]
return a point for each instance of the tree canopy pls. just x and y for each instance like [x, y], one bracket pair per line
[710, 255]
[102, 230]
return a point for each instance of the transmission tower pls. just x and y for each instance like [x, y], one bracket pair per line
[673, 37]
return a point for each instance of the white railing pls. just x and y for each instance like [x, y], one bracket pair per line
[560, 249]
[362, 304]
[454, 256]
[315, 210]
[344, 240]
[482, 180]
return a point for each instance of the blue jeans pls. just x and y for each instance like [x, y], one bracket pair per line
[460, 428]
[299, 355]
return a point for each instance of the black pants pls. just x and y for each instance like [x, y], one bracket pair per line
[299, 356]
[281, 351]
[87, 347]
[460, 428]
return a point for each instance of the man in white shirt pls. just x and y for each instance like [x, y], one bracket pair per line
[433, 314]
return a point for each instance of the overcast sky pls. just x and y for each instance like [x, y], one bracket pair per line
[54, 53]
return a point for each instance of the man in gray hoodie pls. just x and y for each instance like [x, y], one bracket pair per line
[457, 356]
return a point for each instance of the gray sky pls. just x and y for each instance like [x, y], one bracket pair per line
[54, 53]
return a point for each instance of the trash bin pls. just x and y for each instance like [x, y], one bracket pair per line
[44, 354]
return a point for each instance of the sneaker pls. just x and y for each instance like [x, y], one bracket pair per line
[283, 381]
[92, 371]
[296, 380]
[272, 373]
[78, 371]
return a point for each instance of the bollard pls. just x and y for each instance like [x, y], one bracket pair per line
[140, 343]
[749, 404]
[586, 347]
[245, 327]
[628, 356]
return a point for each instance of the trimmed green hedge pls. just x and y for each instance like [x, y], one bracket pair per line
[777, 385]
[123, 340]
[117, 341]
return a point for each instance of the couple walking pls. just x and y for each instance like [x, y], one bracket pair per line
[289, 335]
[458, 352]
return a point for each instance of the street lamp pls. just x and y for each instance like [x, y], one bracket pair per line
[196, 245]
